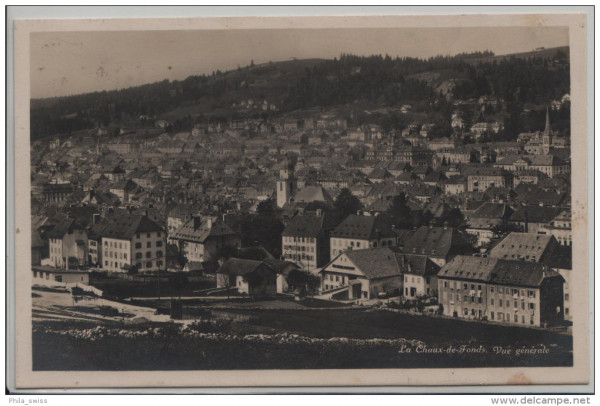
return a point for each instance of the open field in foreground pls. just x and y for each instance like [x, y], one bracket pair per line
[294, 338]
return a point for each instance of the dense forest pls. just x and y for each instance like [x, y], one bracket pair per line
[380, 81]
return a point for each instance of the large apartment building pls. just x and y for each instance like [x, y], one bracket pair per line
[133, 240]
[360, 231]
[502, 291]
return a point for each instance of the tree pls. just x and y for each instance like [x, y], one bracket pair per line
[345, 204]
[400, 213]
[266, 207]
[453, 217]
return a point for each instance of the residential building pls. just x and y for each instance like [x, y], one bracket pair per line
[203, 239]
[133, 240]
[501, 291]
[360, 231]
[560, 228]
[68, 245]
[365, 273]
[305, 241]
[420, 275]
[481, 178]
[439, 244]
[248, 277]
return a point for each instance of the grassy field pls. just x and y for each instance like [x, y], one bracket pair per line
[297, 339]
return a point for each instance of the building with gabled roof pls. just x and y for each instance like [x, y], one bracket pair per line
[365, 273]
[420, 275]
[502, 291]
[440, 244]
[131, 240]
[532, 219]
[202, 239]
[360, 231]
[305, 240]
[68, 245]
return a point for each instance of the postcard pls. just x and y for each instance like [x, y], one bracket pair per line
[340, 201]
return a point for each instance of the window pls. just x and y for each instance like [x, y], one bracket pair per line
[531, 306]
[516, 318]
[531, 293]
[148, 254]
[472, 287]
[566, 297]
[445, 284]
[159, 243]
[120, 245]
[148, 244]
[466, 311]
[148, 235]
[492, 315]
[465, 286]
[138, 245]
[138, 255]
[337, 278]
[515, 304]
[492, 301]
[159, 254]
[500, 303]
[106, 243]
[500, 290]
[138, 235]
[500, 316]
[158, 234]
[149, 264]
[492, 289]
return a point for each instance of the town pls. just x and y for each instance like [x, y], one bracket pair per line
[456, 205]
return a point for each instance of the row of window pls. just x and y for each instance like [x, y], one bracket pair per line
[140, 265]
[336, 278]
[123, 255]
[299, 248]
[148, 244]
[515, 304]
[499, 289]
[298, 257]
[506, 317]
[149, 235]
[298, 239]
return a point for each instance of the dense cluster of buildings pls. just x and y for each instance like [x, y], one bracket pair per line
[152, 200]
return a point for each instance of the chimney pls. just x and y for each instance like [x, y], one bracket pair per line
[95, 218]
[319, 212]
[197, 222]
[445, 225]
[209, 222]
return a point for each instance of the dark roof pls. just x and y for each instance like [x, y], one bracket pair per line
[535, 214]
[304, 226]
[363, 227]
[491, 210]
[63, 227]
[497, 271]
[375, 263]
[535, 248]
[438, 242]
[200, 234]
[280, 266]
[238, 267]
[124, 226]
[417, 265]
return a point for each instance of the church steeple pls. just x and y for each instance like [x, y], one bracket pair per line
[547, 130]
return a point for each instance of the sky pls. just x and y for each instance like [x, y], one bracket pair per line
[66, 63]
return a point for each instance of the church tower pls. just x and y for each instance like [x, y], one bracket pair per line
[547, 135]
[287, 183]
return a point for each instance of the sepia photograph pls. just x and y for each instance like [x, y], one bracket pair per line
[294, 195]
